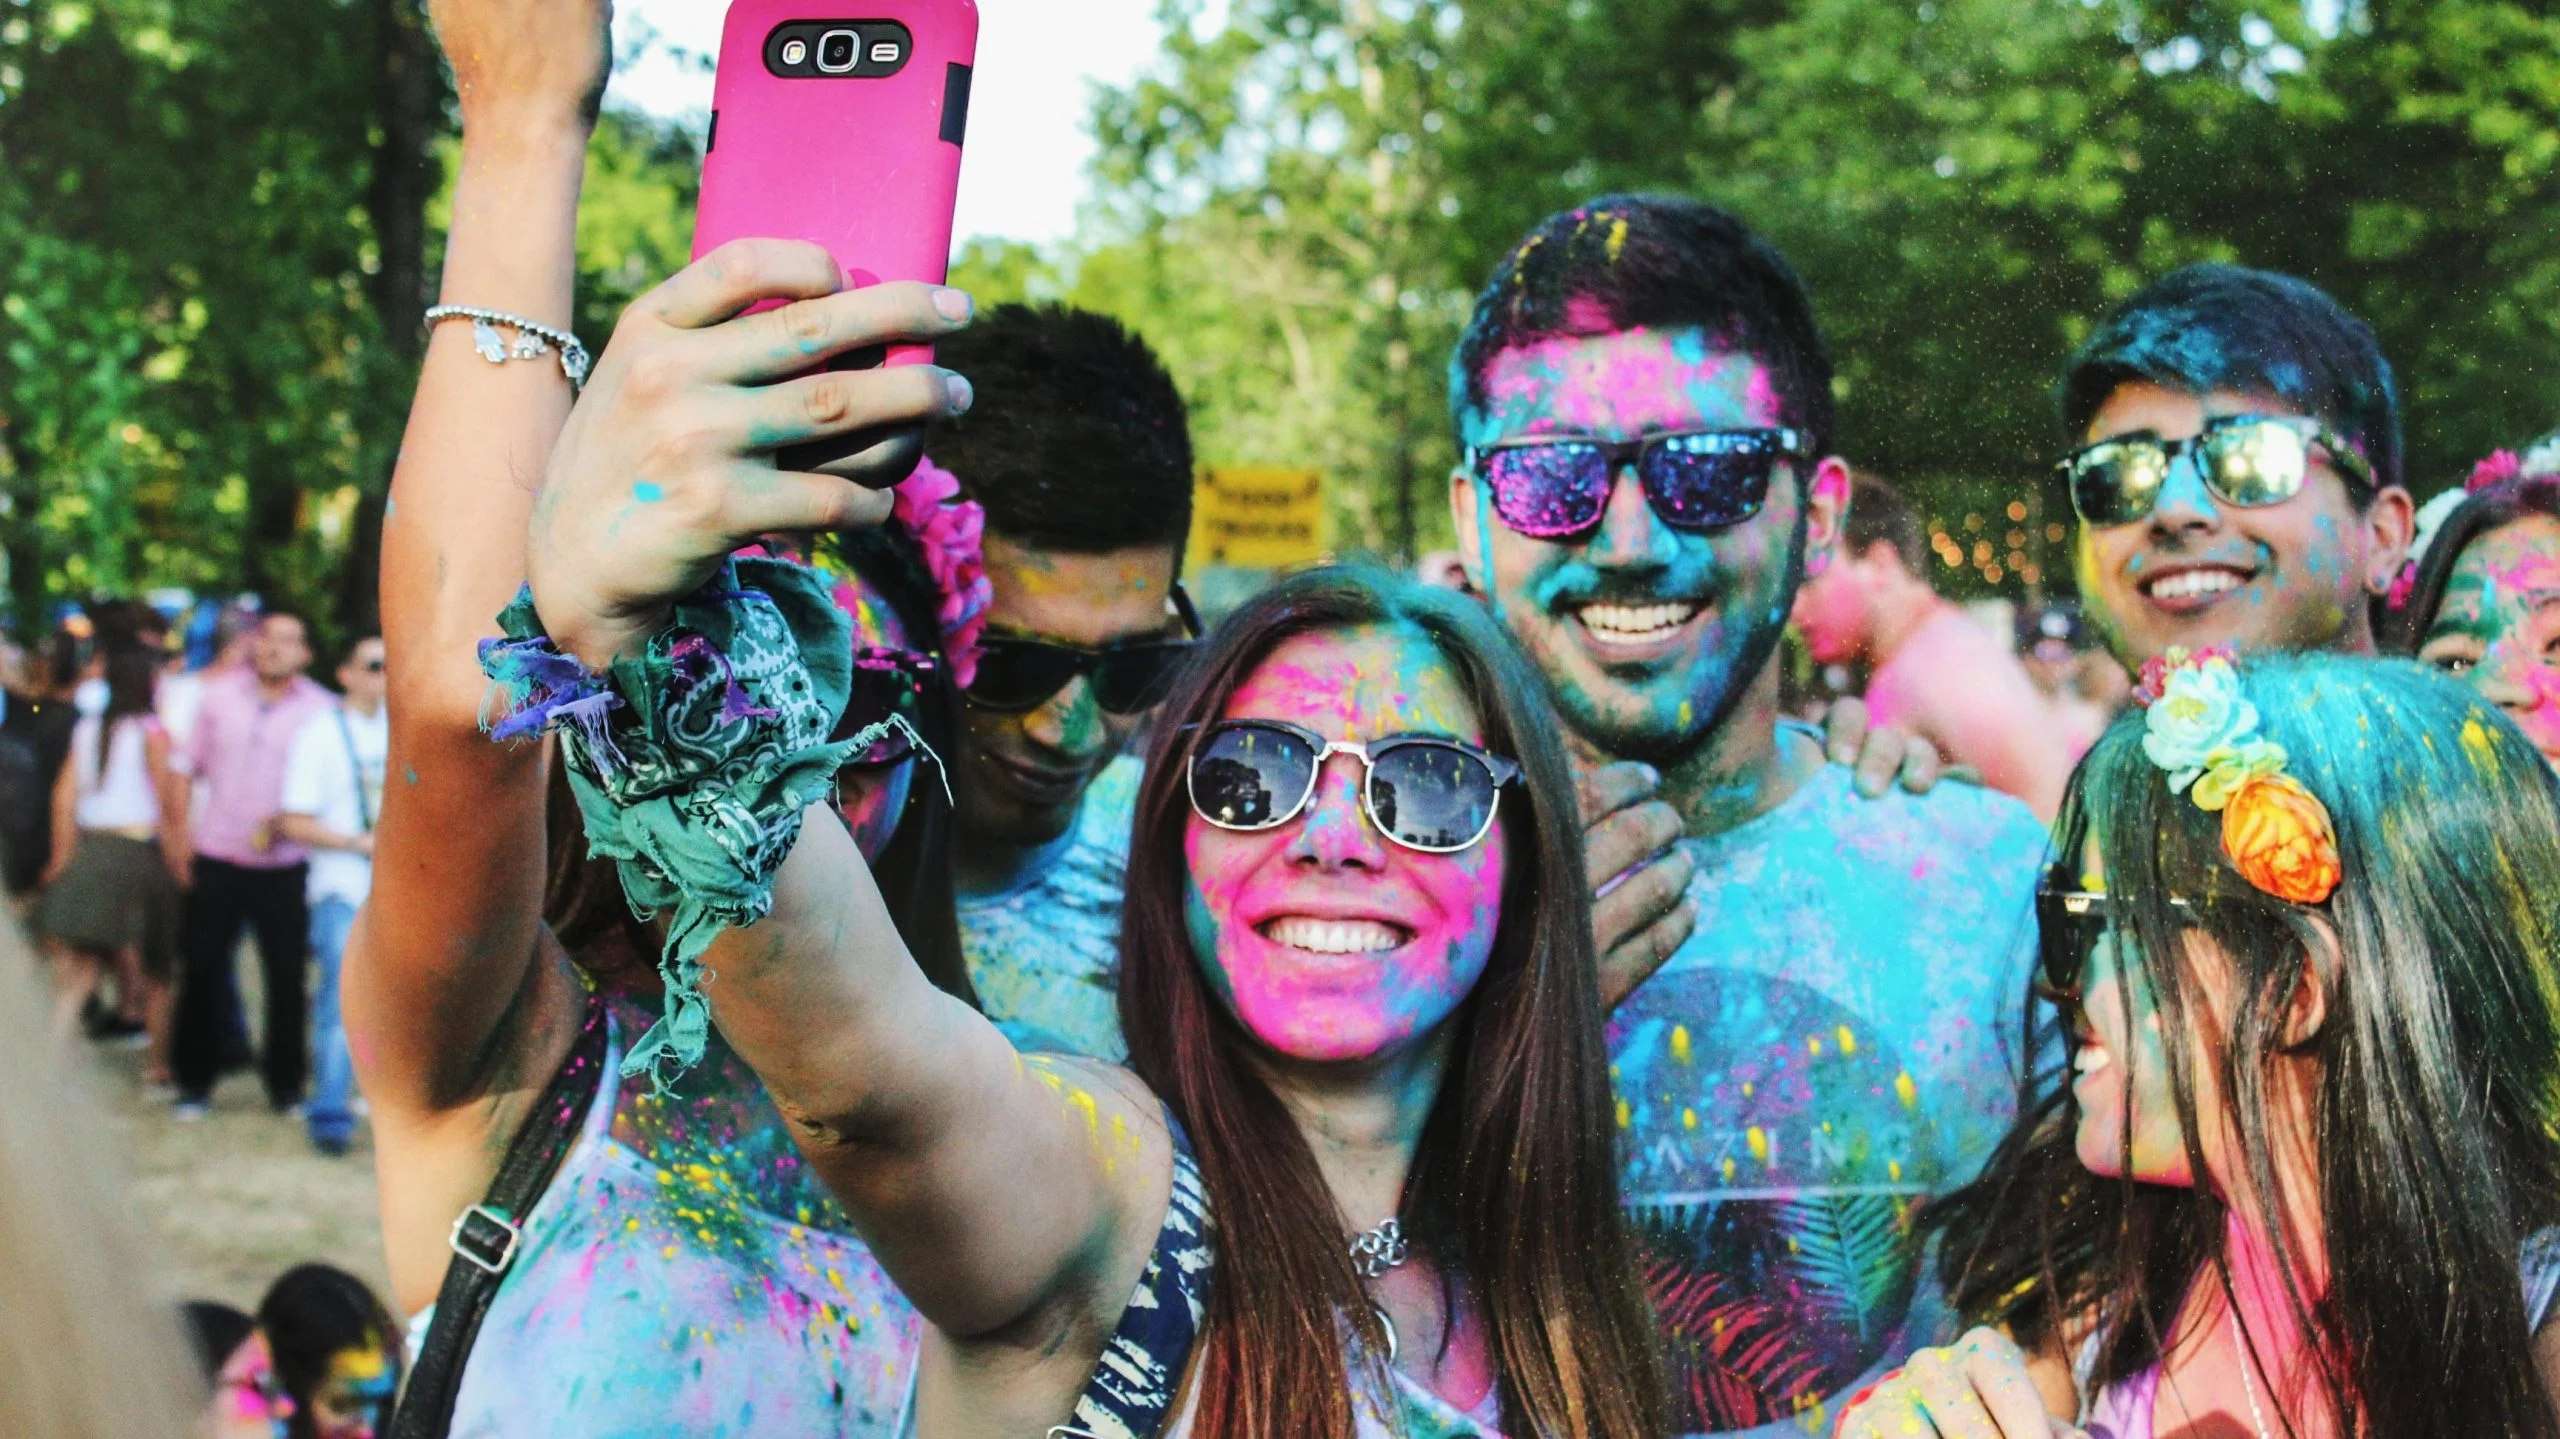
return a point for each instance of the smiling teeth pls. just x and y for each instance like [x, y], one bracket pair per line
[1636, 624]
[1334, 936]
[2089, 1058]
[2188, 584]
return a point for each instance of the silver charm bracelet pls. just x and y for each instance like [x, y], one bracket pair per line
[533, 340]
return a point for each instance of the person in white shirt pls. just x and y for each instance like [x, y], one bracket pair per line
[109, 896]
[332, 791]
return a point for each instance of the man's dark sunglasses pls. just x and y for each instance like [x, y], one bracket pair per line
[2246, 460]
[1697, 480]
[1018, 673]
[887, 684]
[1015, 675]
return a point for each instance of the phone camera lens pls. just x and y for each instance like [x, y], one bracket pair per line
[837, 51]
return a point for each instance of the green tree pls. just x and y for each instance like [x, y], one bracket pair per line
[1966, 184]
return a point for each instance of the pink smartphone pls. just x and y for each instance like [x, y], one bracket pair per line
[845, 131]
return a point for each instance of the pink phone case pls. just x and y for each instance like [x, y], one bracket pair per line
[865, 163]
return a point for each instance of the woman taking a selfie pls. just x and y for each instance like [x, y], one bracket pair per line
[2305, 933]
[1357, 1177]
[629, 1261]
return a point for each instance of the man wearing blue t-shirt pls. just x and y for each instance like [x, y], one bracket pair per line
[1644, 407]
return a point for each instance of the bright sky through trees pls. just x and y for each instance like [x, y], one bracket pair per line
[1029, 137]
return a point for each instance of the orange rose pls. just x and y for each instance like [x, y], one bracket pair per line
[2279, 837]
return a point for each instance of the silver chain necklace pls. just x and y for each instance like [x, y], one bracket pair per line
[2248, 1385]
[1374, 1252]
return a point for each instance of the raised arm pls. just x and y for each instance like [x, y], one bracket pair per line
[1013, 1200]
[453, 1024]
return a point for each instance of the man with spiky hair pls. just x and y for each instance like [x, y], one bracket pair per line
[2236, 468]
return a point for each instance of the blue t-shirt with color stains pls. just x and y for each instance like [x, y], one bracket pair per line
[1045, 952]
[1836, 1042]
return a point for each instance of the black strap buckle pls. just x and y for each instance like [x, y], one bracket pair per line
[486, 1238]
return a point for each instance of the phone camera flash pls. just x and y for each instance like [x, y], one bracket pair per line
[884, 54]
[795, 52]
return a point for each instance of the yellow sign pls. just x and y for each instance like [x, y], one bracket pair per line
[1258, 517]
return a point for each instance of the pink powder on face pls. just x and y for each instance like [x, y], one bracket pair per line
[1623, 384]
[1331, 865]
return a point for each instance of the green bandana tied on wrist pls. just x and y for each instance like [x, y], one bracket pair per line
[693, 761]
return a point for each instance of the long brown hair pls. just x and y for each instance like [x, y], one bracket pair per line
[1513, 1189]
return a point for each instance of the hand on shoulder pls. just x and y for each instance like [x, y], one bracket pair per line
[1979, 1387]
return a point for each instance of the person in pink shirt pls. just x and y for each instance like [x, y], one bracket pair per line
[239, 872]
[1934, 670]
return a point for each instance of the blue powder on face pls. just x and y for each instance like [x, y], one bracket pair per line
[647, 493]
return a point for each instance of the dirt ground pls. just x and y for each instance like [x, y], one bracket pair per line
[240, 1197]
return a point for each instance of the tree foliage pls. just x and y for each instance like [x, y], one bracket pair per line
[1966, 184]
[219, 222]
[216, 226]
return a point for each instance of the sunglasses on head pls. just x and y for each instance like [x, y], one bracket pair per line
[887, 684]
[1696, 480]
[1424, 792]
[2246, 460]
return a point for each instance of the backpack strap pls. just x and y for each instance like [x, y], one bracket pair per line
[1131, 1393]
[486, 1235]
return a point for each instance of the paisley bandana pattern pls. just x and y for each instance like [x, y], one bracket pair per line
[693, 761]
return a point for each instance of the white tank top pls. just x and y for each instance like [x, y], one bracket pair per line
[117, 794]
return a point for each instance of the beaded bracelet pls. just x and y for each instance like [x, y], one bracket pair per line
[694, 761]
[533, 339]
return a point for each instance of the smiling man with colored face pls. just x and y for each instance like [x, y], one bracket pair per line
[1645, 409]
[2236, 468]
[1080, 450]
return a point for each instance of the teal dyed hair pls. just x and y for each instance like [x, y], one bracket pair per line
[2436, 1120]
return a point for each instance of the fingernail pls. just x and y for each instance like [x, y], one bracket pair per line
[954, 305]
[963, 394]
[1652, 776]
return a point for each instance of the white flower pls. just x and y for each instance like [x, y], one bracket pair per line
[2200, 711]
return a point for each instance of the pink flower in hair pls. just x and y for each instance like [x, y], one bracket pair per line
[2500, 467]
[952, 538]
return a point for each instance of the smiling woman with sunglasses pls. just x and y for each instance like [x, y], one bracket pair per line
[1358, 1173]
[2299, 1178]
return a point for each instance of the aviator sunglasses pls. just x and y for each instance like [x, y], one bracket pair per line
[1422, 791]
[1018, 673]
[1699, 480]
[2251, 461]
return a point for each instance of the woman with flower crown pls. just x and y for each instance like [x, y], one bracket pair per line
[2300, 940]
[2481, 598]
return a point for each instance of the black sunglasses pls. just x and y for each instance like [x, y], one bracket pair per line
[1018, 672]
[887, 684]
[2069, 924]
[1425, 792]
[1697, 480]
[2251, 461]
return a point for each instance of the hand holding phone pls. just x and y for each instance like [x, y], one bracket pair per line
[840, 122]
